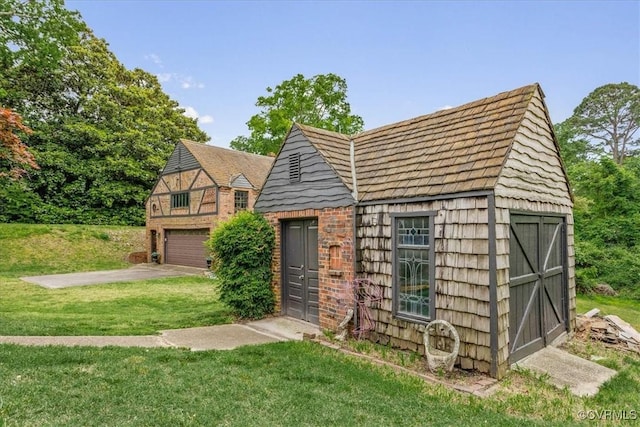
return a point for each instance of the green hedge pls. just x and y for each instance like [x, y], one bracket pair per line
[242, 249]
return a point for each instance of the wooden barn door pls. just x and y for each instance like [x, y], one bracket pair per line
[300, 270]
[538, 283]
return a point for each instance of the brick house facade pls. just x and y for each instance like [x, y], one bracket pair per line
[199, 186]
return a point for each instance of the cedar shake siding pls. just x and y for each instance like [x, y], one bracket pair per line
[196, 189]
[483, 187]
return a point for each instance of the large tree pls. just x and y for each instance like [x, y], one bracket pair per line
[319, 101]
[101, 132]
[609, 118]
[34, 38]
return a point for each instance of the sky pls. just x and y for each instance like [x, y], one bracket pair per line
[400, 59]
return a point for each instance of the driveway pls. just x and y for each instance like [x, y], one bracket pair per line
[138, 272]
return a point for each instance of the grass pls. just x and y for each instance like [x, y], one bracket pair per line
[127, 308]
[30, 249]
[278, 384]
[627, 309]
[297, 383]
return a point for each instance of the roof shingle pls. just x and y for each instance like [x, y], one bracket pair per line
[224, 165]
[455, 150]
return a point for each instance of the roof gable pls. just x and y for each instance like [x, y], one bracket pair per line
[334, 148]
[181, 159]
[450, 151]
[224, 165]
[316, 185]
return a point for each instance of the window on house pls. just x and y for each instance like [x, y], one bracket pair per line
[413, 274]
[241, 200]
[180, 200]
[294, 167]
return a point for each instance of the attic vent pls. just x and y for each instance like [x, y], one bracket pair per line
[294, 167]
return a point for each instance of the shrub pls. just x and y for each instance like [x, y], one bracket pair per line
[617, 266]
[242, 249]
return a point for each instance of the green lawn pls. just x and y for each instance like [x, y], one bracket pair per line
[127, 308]
[626, 308]
[284, 384]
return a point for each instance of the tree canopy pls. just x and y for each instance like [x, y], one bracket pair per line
[319, 101]
[598, 147]
[609, 118]
[101, 132]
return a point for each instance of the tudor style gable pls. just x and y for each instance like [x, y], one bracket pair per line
[301, 178]
[184, 188]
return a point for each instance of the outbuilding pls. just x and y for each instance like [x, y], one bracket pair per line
[199, 186]
[463, 215]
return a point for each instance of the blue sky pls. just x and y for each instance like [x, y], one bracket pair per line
[400, 59]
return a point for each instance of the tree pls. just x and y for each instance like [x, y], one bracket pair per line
[573, 150]
[102, 150]
[14, 154]
[609, 118]
[34, 37]
[101, 132]
[320, 101]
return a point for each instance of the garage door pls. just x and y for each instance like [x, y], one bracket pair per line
[186, 247]
[538, 283]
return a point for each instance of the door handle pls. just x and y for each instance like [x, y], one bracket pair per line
[301, 276]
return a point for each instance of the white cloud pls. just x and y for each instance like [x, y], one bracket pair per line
[188, 83]
[164, 77]
[192, 113]
[154, 58]
[446, 107]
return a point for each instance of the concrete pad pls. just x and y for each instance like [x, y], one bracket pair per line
[138, 272]
[285, 327]
[221, 337]
[582, 377]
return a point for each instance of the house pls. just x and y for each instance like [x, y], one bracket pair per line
[199, 186]
[463, 215]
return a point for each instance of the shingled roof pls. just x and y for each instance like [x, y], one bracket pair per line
[224, 165]
[450, 151]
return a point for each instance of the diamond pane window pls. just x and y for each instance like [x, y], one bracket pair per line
[412, 267]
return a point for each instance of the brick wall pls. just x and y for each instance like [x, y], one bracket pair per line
[335, 259]
[159, 224]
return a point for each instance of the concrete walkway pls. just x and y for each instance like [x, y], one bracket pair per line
[137, 272]
[582, 377]
[220, 337]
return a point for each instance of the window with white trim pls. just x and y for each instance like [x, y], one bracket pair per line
[413, 274]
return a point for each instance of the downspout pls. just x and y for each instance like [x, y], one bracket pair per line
[354, 181]
[354, 194]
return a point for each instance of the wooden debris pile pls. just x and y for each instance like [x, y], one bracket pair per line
[610, 329]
